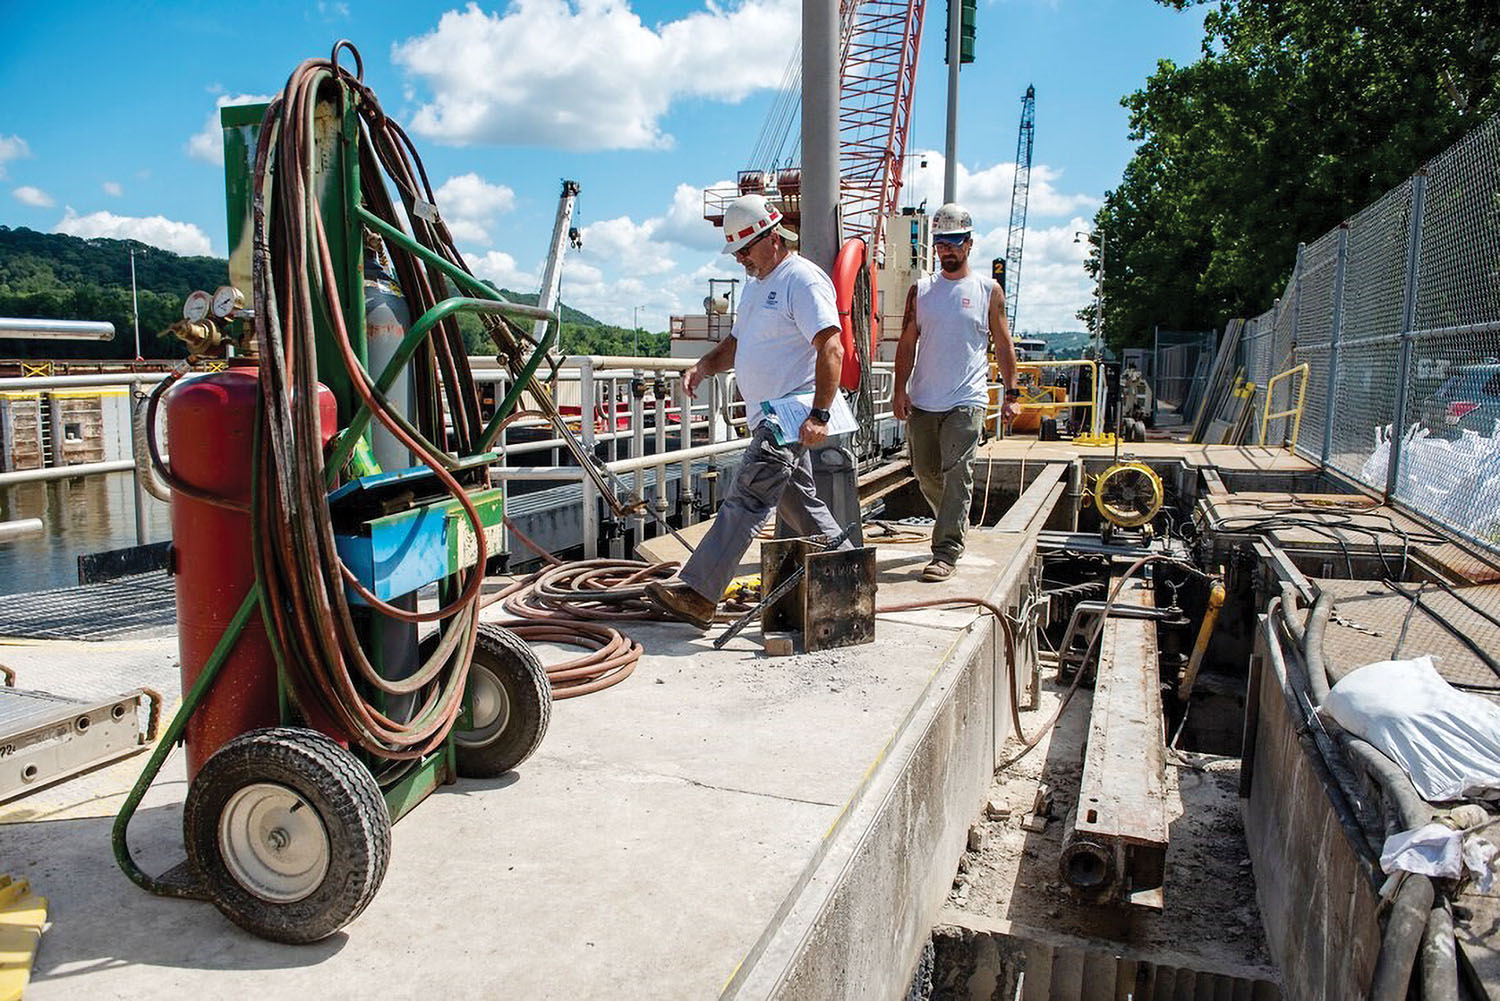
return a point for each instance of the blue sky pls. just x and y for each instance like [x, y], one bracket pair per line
[106, 111]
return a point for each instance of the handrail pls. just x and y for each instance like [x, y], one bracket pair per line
[1267, 416]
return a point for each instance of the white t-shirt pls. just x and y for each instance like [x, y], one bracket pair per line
[953, 322]
[777, 319]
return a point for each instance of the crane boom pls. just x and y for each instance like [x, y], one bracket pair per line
[878, 75]
[1019, 192]
[879, 42]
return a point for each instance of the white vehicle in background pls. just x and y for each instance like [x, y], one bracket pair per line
[1030, 348]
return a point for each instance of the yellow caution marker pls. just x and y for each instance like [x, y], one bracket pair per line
[22, 917]
[1103, 440]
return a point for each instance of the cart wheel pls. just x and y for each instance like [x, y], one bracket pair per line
[512, 703]
[288, 832]
[1137, 431]
[1048, 429]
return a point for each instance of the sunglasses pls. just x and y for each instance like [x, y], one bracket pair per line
[950, 240]
[743, 251]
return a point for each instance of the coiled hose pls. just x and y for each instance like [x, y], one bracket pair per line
[302, 579]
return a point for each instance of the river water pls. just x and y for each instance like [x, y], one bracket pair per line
[91, 514]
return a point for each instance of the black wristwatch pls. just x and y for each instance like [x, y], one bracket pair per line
[819, 415]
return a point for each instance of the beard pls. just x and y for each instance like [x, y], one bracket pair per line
[950, 264]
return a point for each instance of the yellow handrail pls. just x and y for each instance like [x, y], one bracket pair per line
[1267, 416]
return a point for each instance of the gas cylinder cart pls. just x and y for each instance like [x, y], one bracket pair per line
[333, 467]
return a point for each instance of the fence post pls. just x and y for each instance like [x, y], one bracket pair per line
[1408, 322]
[1334, 333]
[1296, 300]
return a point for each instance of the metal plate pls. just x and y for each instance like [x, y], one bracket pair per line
[45, 738]
[839, 601]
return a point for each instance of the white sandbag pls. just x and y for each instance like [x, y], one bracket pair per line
[1448, 741]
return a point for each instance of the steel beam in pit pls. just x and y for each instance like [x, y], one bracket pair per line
[1117, 848]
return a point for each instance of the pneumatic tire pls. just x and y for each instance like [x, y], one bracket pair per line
[511, 705]
[288, 832]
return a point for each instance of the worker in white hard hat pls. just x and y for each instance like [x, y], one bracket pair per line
[942, 379]
[785, 341]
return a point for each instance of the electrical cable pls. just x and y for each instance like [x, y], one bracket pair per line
[1415, 597]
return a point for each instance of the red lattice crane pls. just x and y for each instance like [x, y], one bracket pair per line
[880, 40]
[878, 73]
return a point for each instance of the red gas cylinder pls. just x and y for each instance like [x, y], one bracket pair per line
[210, 435]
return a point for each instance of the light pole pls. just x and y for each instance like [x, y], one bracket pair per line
[135, 309]
[637, 321]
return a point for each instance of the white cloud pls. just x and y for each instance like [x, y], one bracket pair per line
[469, 203]
[627, 245]
[587, 74]
[158, 231]
[684, 223]
[500, 268]
[207, 144]
[112, 188]
[1054, 284]
[12, 148]
[986, 192]
[35, 197]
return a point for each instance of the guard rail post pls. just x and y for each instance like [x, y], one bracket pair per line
[685, 492]
[135, 472]
[590, 517]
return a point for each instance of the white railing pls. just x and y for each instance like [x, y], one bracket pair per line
[617, 399]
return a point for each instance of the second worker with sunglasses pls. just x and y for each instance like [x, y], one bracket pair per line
[942, 379]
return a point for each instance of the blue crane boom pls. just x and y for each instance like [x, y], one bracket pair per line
[1018, 195]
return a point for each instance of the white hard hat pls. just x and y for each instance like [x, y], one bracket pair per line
[746, 218]
[951, 219]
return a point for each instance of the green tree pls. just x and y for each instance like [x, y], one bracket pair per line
[1299, 113]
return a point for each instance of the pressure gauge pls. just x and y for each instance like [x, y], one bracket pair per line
[228, 300]
[196, 307]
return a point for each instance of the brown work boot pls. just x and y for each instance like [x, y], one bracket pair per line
[938, 569]
[683, 603]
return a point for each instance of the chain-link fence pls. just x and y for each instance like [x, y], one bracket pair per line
[1396, 315]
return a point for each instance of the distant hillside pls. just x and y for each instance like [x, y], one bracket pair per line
[59, 277]
[52, 276]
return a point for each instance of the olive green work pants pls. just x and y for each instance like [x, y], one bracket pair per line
[942, 448]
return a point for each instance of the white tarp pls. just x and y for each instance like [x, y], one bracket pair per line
[1448, 741]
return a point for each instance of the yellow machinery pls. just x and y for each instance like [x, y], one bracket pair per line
[1128, 494]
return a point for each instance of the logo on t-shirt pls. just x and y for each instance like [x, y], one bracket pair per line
[967, 302]
[771, 298]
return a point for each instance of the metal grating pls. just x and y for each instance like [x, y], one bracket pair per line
[143, 605]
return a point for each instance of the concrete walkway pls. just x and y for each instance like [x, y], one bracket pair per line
[666, 836]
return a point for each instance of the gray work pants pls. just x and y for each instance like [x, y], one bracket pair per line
[942, 458]
[770, 476]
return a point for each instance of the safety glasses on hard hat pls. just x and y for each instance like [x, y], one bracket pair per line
[950, 239]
